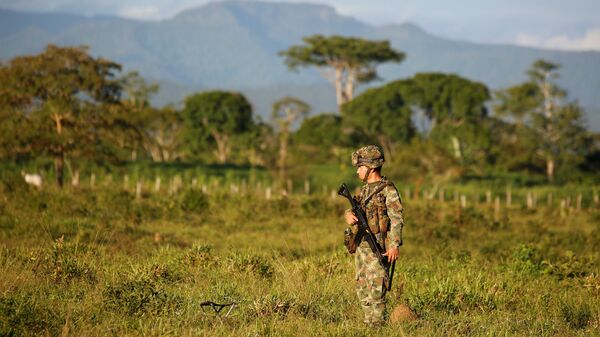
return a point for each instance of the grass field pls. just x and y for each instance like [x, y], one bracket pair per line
[99, 261]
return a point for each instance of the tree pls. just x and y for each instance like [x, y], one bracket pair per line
[557, 127]
[217, 116]
[64, 103]
[322, 137]
[457, 112]
[285, 112]
[260, 143]
[380, 115]
[158, 129]
[353, 60]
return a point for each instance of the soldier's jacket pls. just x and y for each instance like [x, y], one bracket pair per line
[384, 212]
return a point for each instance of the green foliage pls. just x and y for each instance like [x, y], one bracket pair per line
[22, 314]
[552, 131]
[352, 59]
[575, 313]
[194, 201]
[141, 296]
[62, 102]
[256, 264]
[380, 115]
[449, 98]
[449, 296]
[215, 118]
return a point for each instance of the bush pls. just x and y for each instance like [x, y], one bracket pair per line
[194, 201]
[140, 296]
[576, 315]
[22, 315]
[256, 264]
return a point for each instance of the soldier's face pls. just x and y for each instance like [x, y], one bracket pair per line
[362, 172]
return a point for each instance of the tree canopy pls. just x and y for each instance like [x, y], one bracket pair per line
[215, 117]
[556, 126]
[62, 102]
[353, 60]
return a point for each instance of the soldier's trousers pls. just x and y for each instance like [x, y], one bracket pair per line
[370, 280]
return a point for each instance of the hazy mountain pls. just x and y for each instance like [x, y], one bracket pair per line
[234, 45]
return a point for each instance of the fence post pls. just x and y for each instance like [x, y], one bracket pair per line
[488, 197]
[126, 182]
[157, 184]
[463, 201]
[529, 200]
[563, 204]
[268, 193]
[306, 186]
[92, 180]
[75, 178]
[138, 190]
[497, 209]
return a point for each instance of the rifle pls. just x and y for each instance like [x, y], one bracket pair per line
[365, 232]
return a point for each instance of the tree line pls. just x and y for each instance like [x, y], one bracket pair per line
[66, 104]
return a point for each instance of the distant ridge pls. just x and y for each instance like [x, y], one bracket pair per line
[234, 45]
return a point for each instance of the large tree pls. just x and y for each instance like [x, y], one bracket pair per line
[381, 115]
[285, 112]
[62, 103]
[457, 112]
[555, 125]
[217, 117]
[350, 60]
[158, 128]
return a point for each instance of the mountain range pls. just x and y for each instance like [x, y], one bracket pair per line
[235, 44]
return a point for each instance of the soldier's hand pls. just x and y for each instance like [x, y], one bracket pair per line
[392, 254]
[350, 217]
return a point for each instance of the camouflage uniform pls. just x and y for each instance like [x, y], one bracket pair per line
[384, 216]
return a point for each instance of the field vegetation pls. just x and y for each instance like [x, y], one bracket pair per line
[100, 261]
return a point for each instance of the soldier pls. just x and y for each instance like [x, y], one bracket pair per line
[383, 208]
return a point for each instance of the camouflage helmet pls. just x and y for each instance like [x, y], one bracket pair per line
[370, 156]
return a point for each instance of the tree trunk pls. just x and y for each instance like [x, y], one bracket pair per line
[386, 143]
[59, 160]
[283, 154]
[222, 146]
[550, 169]
[59, 168]
[339, 89]
[350, 84]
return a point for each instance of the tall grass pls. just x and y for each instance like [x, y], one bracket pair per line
[101, 261]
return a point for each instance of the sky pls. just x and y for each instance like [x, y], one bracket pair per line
[553, 24]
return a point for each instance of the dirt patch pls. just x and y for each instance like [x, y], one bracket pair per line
[402, 313]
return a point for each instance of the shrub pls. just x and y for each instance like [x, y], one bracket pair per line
[22, 315]
[576, 315]
[65, 263]
[193, 201]
[256, 264]
[140, 296]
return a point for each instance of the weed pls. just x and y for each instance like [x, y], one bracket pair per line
[576, 315]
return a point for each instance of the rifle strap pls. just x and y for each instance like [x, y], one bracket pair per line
[384, 183]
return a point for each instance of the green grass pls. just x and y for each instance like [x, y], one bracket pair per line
[99, 261]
